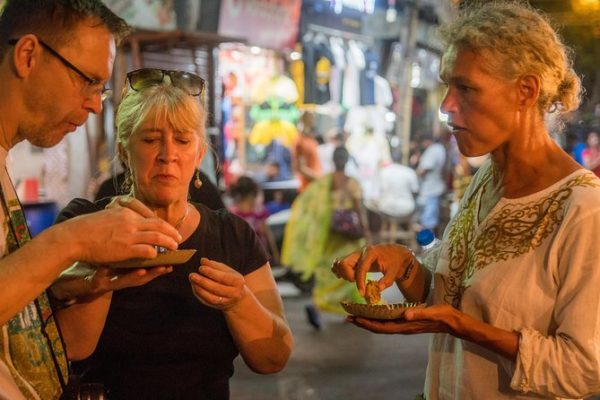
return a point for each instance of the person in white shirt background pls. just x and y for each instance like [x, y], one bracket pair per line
[398, 185]
[433, 186]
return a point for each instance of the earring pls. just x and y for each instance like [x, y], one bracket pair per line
[197, 181]
[127, 185]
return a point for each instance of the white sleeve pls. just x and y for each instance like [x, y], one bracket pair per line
[383, 92]
[414, 182]
[429, 158]
[566, 362]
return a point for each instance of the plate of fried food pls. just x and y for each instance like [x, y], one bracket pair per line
[173, 257]
[375, 309]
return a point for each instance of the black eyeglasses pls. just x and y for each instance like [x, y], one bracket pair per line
[91, 88]
[146, 77]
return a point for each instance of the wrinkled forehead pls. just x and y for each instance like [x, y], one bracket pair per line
[92, 50]
[459, 60]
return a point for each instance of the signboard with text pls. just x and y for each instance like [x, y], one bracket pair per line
[266, 23]
[342, 15]
[147, 14]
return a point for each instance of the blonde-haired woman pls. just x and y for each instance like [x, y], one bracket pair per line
[177, 336]
[515, 305]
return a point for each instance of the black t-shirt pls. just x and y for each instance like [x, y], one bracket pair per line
[159, 341]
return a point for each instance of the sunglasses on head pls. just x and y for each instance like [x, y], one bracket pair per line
[146, 77]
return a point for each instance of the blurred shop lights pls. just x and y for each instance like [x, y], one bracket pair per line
[391, 14]
[295, 55]
[364, 6]
[390, 116]
[415, 80]
[585, 6]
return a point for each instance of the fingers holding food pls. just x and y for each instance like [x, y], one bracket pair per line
[372, 292]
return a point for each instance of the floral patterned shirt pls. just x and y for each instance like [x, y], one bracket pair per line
[32, 351]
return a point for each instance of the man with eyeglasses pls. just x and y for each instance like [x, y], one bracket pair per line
[55, 59]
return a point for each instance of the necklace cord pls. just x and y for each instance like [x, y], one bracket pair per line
[180, 221]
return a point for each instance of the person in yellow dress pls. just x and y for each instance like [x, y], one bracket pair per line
[310, 245]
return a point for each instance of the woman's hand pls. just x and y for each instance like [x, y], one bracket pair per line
[390, 259]
[440, 318]
[443, 318]
[218, 285]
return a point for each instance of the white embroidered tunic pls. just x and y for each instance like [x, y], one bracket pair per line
[531, 265]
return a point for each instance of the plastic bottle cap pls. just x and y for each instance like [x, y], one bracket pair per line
[425, 237]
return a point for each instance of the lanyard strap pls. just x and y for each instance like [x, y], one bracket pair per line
[18, 235]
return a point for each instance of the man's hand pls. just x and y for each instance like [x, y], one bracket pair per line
[86, 282]
[126, 229]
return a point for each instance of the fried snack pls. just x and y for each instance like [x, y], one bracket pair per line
[372, 292]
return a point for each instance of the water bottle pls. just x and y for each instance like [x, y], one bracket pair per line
[427, 240]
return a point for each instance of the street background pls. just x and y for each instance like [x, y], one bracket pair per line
[340, 361]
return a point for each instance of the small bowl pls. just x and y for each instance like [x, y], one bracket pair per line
[379, 311]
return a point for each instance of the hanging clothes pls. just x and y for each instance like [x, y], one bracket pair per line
[367, 78]
[383, 92]
[317, 70]
[351, 86]
[297, 75]
[308, 55]
[337, 71]
[371, 151]
[359, 117]
[322, 75]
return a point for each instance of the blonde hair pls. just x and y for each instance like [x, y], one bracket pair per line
[161, 102]
[519, 40]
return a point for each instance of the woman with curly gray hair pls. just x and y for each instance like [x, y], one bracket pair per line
[514, 305]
